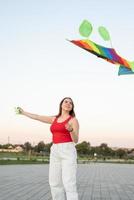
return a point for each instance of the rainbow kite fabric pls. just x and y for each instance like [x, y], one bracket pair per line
[108, 54]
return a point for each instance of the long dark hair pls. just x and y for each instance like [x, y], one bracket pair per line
[72, 113]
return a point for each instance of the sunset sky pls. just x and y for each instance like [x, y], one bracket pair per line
[39, 67]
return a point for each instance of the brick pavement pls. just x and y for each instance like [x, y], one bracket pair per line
[94, 181]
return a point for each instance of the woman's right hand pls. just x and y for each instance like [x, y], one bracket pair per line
[19, 110]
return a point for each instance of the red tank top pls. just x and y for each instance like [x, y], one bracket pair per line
[59, 133]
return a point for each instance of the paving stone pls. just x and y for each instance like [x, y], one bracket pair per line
[94, 182]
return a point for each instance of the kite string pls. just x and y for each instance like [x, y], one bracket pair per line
[111, 43]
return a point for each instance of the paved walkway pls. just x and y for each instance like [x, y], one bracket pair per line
[95, 182]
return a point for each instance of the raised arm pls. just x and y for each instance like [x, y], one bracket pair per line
[42, 118]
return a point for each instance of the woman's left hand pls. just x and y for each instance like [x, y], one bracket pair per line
[69, 127]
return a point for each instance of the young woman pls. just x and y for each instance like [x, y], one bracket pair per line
[63, 155]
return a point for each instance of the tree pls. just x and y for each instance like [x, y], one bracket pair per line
[40, 147]
[27, 146]
[121, 153]
[47, 147]
[103, 145]
[83, 148]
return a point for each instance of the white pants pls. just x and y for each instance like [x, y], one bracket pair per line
[62, 171]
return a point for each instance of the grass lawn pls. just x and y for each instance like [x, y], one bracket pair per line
[24, 158]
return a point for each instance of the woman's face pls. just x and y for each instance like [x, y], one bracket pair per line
[67, 105]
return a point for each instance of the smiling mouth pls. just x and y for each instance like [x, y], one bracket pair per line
[68, 107]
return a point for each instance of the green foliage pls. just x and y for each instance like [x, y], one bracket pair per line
[121, 153]
[27, 146]
[40, 146]
[83, 148]
[85, 151]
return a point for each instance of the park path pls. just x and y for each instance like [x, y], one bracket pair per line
[96, 181]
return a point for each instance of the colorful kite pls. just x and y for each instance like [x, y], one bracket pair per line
[108, 54]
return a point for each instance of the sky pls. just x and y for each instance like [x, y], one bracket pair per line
[39, 67]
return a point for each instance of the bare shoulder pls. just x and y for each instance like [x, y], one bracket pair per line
[74, 120]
